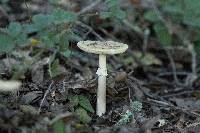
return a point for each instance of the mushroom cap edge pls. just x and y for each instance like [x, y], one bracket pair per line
[102, 47]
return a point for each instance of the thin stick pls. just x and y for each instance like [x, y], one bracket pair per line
[4, 13]
[175, 107]
[145, 40]
[173, 67]
[183, 73]
[133, 27]
[90, 29]
[88, 8]
[193, 65]
[45, 95]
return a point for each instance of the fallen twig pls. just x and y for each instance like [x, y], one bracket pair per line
[45, 95]
[88, 8]
[4, 13]
[172, 106]
[173, 68]
[90, 29]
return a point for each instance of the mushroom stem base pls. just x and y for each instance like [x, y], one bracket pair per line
[101, 96]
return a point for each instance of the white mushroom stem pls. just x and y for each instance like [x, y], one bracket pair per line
[101, 92]
[7, 86]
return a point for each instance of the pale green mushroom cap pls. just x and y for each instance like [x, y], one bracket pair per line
[102, 47]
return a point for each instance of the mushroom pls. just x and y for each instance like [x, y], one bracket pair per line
[9, 86]
[102, 48]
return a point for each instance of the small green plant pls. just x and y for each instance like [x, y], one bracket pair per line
[135, 106]
[59, 127]
[125, 118]
[81, 106]
[184, 13]
[114, 10]
[53, 31]
[12, 36]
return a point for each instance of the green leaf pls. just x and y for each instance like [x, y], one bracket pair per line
[14, 29]
[73, 99]
[120, 14]
[174, 9]
[59, 127]
[111, 3]
[6, 43]
[197, 48]
[54, 70]
[73, 36]
[125, 118]
[42, 21]
[64, 43]
[147, 59]
[151, 16]
[162, 34]
[47, 42]
[173, 6]
[85, 103]
[61, 16]
[53, 1]
[22, 39]
[192, 13]
[29, 28]
[67, 53]
[115, 13]
[182, 11]
[83, 116]
[105, 15]
[55, 38]
[196, 36]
